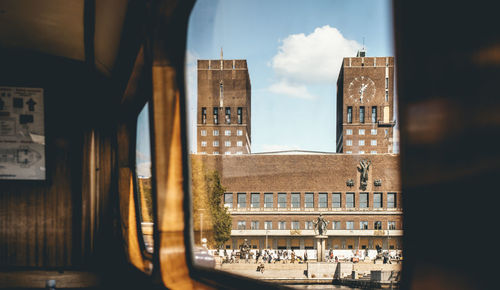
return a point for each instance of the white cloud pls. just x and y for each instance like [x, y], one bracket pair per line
[293, 90]
[314, 58]
[144, 169]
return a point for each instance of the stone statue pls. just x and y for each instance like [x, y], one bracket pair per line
[320, 225]
[364, 166]
[244, 250]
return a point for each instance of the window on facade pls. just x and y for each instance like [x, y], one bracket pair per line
[391, 200]
[240, 115]
[374, 131]
[373, 142]
[242, 225]
[336, 225]
[362, 114]
[268, 225]
[309, 200]
[227, 132]
[348, 132]
[239, 143]
[361, 152]
[387, 96]
[227, 143]
[377, 200]
[373, 152]
[391, 225]
[203, 143]
[386, 83]
[228, 115]
[323, 200]
[295, 225]
[239, 153]
[203, 115]
[216, 153]
[377, 225]
[349, 115]
[349, 225]
[239, 132]
[308, 225]
[216, 115]
[215, 143]
[295, 200]
[203, 133]
[336, 201]
[348, 152]
[255, 203]
[254, 225]
[281, 225]
[227, 153]
[361, 132]
[268, 200]
[348, 142]
[363, 225]
[363, 200]
[349, 200]
[374, 114]
[242, 200]
[282, 200]
[361, 142]
[215, 132]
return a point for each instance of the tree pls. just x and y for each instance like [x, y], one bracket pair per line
[221, 218]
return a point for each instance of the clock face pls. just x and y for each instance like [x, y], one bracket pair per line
[361, 90]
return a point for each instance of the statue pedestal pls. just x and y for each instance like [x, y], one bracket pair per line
[320, 245]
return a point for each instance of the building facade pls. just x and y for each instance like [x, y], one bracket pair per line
[365, 105]
[274, 198]
[224, 94]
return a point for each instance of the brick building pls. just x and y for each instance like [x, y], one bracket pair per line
[224, 93]
[273, 198]
[365, 105]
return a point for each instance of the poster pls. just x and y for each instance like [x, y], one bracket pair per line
[22, 133]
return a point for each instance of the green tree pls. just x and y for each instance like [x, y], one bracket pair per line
[221, 218]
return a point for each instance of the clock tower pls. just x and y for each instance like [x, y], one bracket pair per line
[365, 105]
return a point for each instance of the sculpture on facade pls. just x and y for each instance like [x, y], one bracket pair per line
[364, 166]
[320, 225]
[244, 250]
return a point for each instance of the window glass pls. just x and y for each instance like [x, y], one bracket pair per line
[282, 200]
[363, 225]
[295, 200]
[257, 67]
[143, 178]
[391, 200]
[336, 201]
[377, 200]
[363, 200]
[309, 200]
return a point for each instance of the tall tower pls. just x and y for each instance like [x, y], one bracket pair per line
[365, 105]
[224, 95]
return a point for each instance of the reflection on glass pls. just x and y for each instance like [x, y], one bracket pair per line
[143, 175]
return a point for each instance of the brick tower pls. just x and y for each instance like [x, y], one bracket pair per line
[224, 95]
[365, 105]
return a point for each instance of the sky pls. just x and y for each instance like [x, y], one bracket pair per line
[293, 50]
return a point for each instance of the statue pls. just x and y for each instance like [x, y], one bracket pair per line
[244, 250]
[363, 168]
[320, 225]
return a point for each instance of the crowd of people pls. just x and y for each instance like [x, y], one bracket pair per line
[263, 256]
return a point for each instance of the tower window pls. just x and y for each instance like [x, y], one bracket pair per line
[203, 115]
[362, 114]
[374, 114]
[216, 115]
[228, 115]
[240, 115]
[349, 115]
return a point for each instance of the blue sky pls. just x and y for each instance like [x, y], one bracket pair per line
[293, 50]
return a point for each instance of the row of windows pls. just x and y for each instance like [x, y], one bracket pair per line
[225, 153]
[227, 118]
[226, 132]
[361, 142]
[336, 200]
[215, 143]
[308, 225]
[361, 131]
[362, 152]
[362, 114]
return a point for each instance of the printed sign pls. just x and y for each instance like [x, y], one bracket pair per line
[22, 133]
